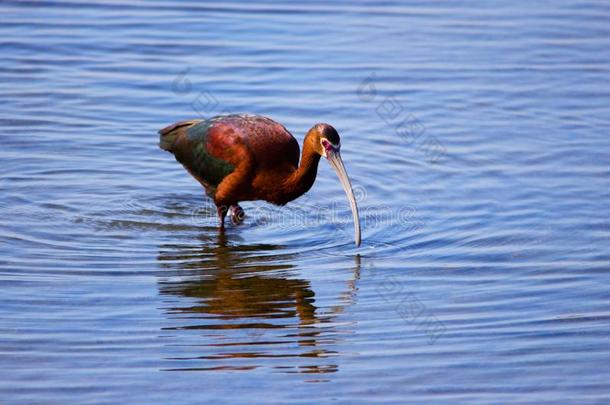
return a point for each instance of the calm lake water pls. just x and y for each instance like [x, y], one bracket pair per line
[476, 137]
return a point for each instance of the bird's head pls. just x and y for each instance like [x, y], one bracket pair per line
[327, 143]
[326, 139]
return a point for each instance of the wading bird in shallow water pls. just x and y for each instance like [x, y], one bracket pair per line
[249, 157]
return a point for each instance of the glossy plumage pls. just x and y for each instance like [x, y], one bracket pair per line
[249, 157]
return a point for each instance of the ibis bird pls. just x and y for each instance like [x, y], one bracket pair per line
[249, 157]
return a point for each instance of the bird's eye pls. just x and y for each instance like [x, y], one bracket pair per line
[326, 144]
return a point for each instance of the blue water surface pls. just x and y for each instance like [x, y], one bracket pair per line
[476, 137]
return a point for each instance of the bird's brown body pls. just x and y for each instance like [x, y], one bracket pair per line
[264, 156]
[248, 157]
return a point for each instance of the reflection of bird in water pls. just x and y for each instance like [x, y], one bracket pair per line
[241, 297]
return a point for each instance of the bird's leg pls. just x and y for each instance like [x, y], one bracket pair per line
[229, 189]
[237, 213]
[222, 212]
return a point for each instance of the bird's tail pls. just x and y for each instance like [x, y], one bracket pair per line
[168, 135]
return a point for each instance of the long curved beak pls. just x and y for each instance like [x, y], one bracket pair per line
[334, 158]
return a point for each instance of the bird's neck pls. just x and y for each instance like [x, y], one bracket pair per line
[301, 180]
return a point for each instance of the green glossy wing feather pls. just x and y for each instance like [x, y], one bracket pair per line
[191, 142]
[210, 167]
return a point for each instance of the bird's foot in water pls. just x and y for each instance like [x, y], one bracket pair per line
[222, 212]
[237, 214]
